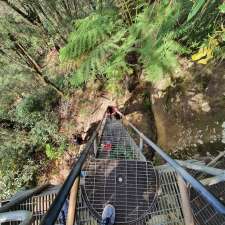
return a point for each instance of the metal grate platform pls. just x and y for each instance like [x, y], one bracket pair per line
[38, 205]
[129, 185]
[165, 210]
[203, 212]
[167, 207]
[116, 143]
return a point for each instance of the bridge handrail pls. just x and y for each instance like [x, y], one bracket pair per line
[55, 208]
[217, 205]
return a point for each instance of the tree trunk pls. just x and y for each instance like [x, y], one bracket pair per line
[34, 65]
[31, 61]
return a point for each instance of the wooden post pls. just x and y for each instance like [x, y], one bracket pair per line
[141, 144]
[185, 203]
[95, 147]
[71, 216]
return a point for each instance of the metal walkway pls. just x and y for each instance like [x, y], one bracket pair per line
[163, 199]
[113, 169]
[115, 145]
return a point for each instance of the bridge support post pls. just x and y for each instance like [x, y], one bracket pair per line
[185, 203]
[95, 147]
[141, 143]
[71, 216]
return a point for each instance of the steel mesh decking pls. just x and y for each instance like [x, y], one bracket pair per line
[129, 185]
[38, 205]
[116, 143]
[204, 213]
[165, 209]
[83, 215]
[116, 146]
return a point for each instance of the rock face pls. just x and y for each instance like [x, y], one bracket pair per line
[190, 115]
[163, 84]
[137, 109]
[198, 103]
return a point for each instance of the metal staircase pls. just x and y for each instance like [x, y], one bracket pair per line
[112, 168]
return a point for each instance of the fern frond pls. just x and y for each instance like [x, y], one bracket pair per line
[155, 37]
[88, 33]
[129, 9]
[126, 8]
[97, 59]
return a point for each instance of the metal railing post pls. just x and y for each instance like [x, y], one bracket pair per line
[185, 202]
[95, 147]
[141, 143]
[71, 216]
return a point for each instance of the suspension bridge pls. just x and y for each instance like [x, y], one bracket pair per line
[113, 169]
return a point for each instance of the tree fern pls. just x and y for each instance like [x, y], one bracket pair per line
[88, 33]
[155, 37]
[97, 58]
[101, 42]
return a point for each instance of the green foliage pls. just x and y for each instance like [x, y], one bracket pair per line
[43, 99]
[89, 33]
[30, 123]
[53, 153]
[16, 163]
[11, 181]
[44, 131]
[222, 8]
[195, 9]
[101, 42]
[33, 107]
[203, 19]
[154, 34]
[91, 44]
